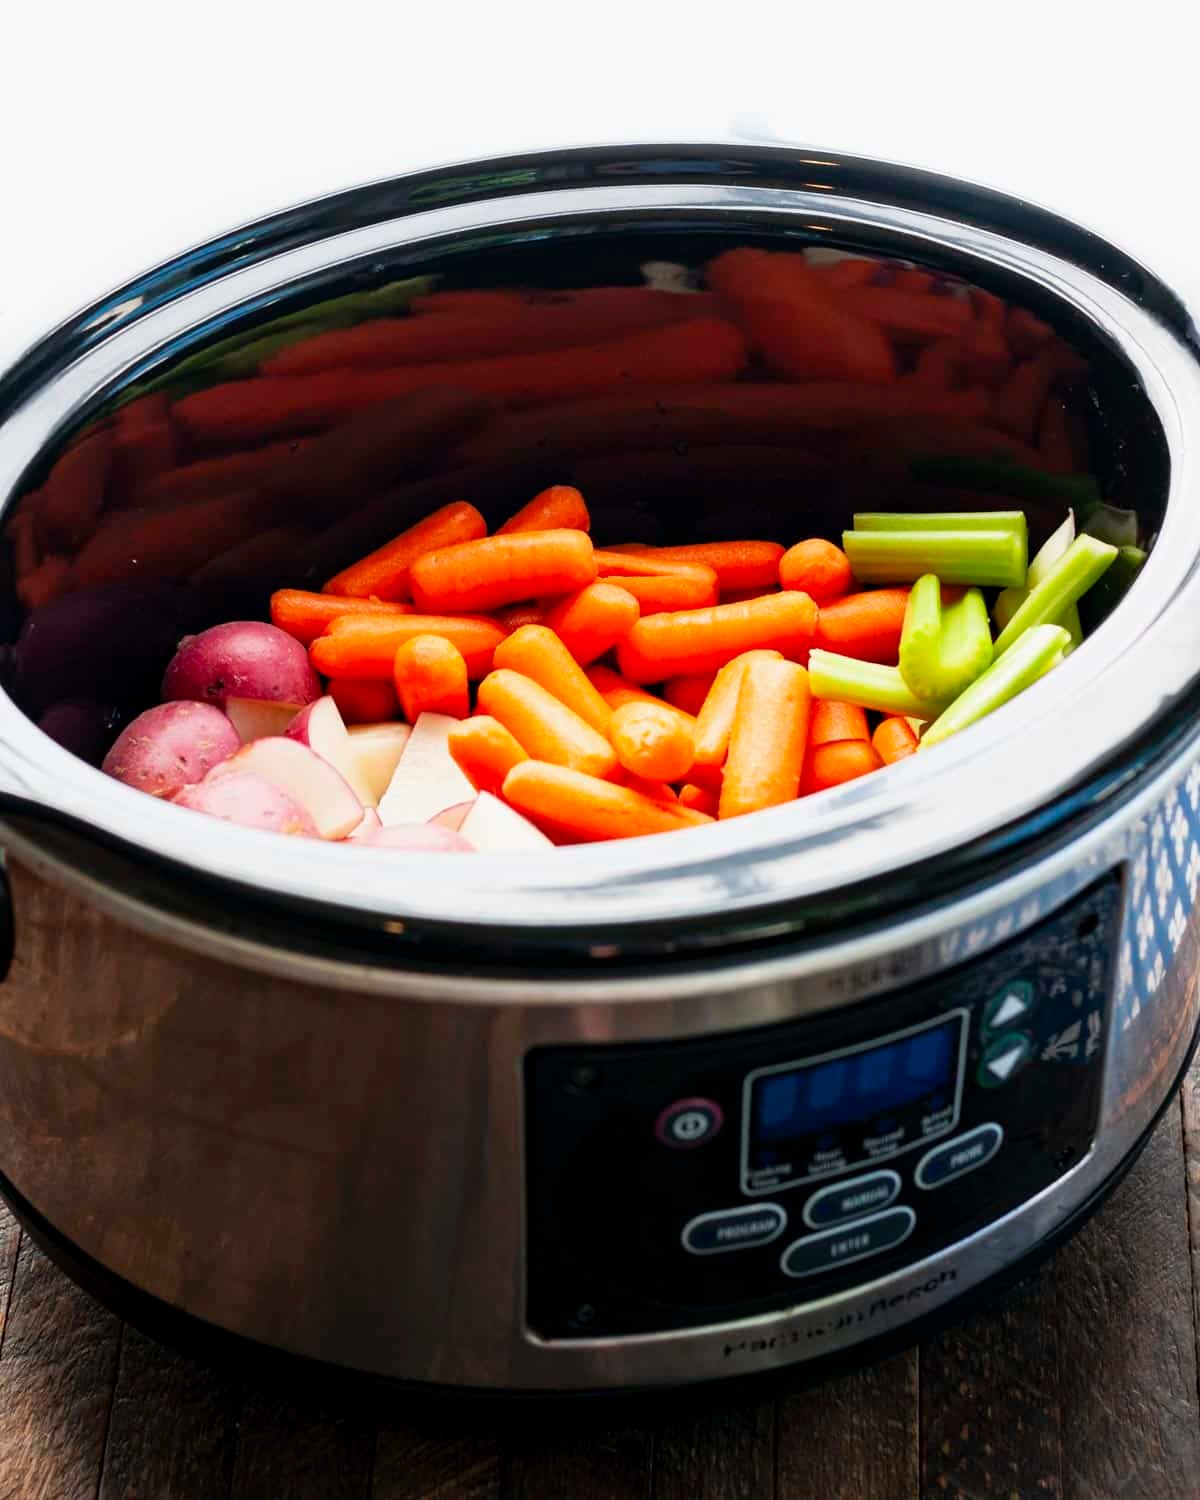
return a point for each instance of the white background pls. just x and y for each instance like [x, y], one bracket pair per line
[129, 131]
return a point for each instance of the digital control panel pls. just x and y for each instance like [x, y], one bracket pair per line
[695, 1182]
[812, 1118]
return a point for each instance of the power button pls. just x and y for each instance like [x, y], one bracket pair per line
[688, 1122]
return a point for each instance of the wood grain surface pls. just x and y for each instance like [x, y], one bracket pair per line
[1081, 1384]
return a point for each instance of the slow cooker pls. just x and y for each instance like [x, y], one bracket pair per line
[552, 1124]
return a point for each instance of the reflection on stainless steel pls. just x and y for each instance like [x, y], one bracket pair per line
[236, 1083]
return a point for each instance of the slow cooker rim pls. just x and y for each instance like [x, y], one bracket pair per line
[27, 757]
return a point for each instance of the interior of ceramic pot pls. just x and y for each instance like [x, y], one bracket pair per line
[276, 450]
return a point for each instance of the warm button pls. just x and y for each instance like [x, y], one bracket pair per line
[946, 1162]
[838, 1247]
[734, 1229]
[688, 1122]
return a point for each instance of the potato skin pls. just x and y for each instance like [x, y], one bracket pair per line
[241, 659]
[171, 746]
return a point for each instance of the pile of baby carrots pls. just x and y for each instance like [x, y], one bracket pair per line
[608, 692]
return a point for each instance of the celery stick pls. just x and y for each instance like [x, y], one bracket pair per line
[1112, 588]
[869, 685]
[1084, 561]
[941, 520]
[1008, 601]
[943, 651]
[972, 557]
[1000, 476]
[1039, 648]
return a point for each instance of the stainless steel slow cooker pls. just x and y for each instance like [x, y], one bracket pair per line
[541, 1124]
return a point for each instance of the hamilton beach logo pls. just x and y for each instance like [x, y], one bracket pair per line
[852, 1318]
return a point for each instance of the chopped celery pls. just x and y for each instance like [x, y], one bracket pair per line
[1084, 561]
[1039, 649]
[941, 520]
[1000, 476]
[972, 557]
[1008, 601]
[1108, 523]
[943, 650]
[848, 680]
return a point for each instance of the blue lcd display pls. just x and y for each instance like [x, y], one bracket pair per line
[855, 1088]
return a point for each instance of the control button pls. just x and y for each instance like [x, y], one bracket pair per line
[838, 1247]
[847, 1200]
[1003, 1058]
[953, 1158]
[689, 1122]
[1008, 1006]
[734, 1229]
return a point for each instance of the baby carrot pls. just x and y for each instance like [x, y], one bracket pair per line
[592, 621]
[817, 567]
[480, 575]
[364, 700]
[700, 799]
[557, 508]
[833, 721]
[536, 652]
[306, 616]
[715, 719]
[909, 315]
[588, 808]
[652, 741]
[842, 761]
[617, 691]
[738, 565]
[431, 678]
[365, 645]
[544, 728]
[688, 693]
[866, 626]
[385, 572]
[770, 731]
[702, 640]
[659, 583]
[894, 740]
[659, 791]
[485, 751]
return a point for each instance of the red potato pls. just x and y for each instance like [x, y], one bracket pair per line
[452, 817]
[251, 800]
[171, 746]
[242, 659]
[320, 727]
[417, 838]
[376, 750]
[492, 827]
[427, 778]
[370, 824]
[255, 720]
[306, 778]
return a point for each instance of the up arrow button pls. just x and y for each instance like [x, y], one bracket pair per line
[1011, 1004]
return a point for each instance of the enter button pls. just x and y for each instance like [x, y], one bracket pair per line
[946, 1162]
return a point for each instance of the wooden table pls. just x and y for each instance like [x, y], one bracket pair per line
[1082, 1383]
